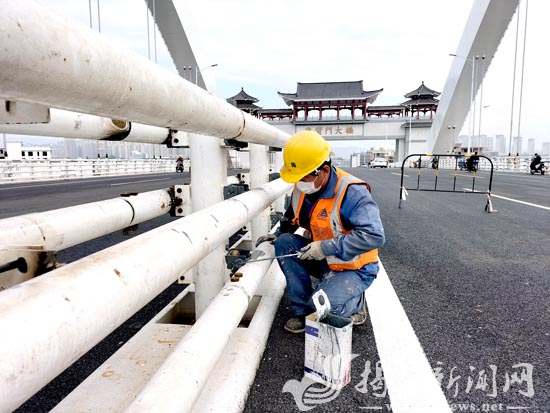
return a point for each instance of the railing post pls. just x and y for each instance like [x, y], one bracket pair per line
[209, 176]
[259, 175]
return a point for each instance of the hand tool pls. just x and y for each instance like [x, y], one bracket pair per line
[296, 254]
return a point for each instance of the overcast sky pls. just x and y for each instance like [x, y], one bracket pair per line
[269, 46]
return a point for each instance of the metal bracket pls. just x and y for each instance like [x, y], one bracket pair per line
[130, 229]
[274, 176]
[234, 144]
[232, 190]
[243, 178]
[21, 264]
[235, 259]
[178, 139]
[275, 217]
[181, 200]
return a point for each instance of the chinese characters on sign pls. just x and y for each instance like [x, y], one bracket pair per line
[332, 130]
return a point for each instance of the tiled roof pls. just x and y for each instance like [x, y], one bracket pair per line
[242, 95]
[330, 91]
[422, 90]
[421, 101]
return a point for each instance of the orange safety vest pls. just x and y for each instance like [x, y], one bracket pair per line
[326, 222]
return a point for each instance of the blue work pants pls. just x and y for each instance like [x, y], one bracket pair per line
[345, 289]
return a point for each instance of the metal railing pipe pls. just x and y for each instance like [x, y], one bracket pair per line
[65, 227]
[147, 134]
[49, 60]
[27, 236]
[66, 124]
[191, 362]
[89, 298]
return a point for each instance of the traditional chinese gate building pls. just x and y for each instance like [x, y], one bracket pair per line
[345, 111]
[330, 96]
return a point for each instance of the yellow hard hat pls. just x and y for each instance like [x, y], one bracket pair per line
[303, 153]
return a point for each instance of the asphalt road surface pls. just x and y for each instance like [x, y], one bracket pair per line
[473, 285]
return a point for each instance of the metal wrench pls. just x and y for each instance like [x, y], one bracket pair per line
[296, 254]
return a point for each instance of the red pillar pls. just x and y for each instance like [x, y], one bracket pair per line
[352, 112]
[338, 112]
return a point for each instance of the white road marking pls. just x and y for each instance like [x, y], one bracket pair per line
[471, 176]
[65, 183]
[514, 200]
[135, 182]
[37, 185]
[395, 173]
[410, 380]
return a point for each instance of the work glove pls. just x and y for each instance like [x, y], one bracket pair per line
[313, 251]
[266, 238]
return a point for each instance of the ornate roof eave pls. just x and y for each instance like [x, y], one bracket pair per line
[420, 102]
[288, 98]
[369, 95]
[422, 90]
[372, 94]
[248, 106]
[242, 95]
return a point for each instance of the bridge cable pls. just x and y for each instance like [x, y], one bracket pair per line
[154, 29]
[90, 11]
[148, 31]
[522, 69]
[514, 83]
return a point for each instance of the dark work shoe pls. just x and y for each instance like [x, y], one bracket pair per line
[295, 325]
[360, 317]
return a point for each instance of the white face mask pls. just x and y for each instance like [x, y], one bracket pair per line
[307, 187]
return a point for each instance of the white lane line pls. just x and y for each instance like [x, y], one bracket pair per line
[410, 380]
[135, 182]
[395, 173]
[37, 185]
[63, 183]
[471, 176]
[514, 200]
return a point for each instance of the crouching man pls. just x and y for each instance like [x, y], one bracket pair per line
[343, 233]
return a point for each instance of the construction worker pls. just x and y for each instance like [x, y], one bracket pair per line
[343, 233]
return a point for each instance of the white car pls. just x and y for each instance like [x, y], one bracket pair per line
[379, 163]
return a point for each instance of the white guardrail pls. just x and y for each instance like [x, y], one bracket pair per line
[37, 170]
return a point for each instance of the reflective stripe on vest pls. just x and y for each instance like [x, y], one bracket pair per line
[326, 223]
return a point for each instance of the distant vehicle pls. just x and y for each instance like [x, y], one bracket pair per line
[538, 168]
[379, 163]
